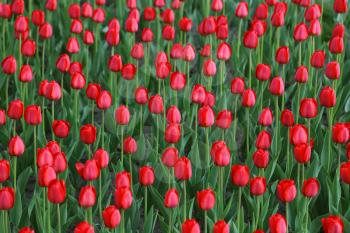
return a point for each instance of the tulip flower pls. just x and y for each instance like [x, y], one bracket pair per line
[278, 224]
[332, 224]
[190, 226]
[310, 187]
[111, 217]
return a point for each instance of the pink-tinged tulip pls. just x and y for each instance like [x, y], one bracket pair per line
[282, 55]
[111, 217]
[63, 63]
[7, 198]
[171, 199]
[104, 100]
[224, 119]
[224, 51]
[130, 145]
[122, 180]
[310, 187]
[300, 32]
[240, 175]
[332, 224]
[77, 81]
[261, 158]
[198, 94]
[9, 65]
[237, 85]
[141, 95]
[28, 48]
[87, 197]
[46, 174]
[265, 117]
[44, 157]
[16, 146]
[248, 98]
[298, 134]
[146, 176]
[155, 104]
[172, 133]
[209, 68]
[206, 116]
[263, 140]
[277, 224]
[263, 72]
[88, 171]
[123, 198]
[32, 115]
[102, 158]
[241, 10]
[115, 63]
[258, 186]
[221, 227]
[183, 169]
[93, 91]
[317, 59]
[25, 74]
[170, 156]
[206, 199]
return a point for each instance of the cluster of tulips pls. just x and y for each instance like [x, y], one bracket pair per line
[174, 116]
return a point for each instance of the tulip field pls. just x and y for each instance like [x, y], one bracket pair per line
[174, 116]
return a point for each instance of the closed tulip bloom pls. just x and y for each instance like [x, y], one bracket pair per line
[220, 153]
[198, 94]
[338, 30]
[171, 199]
[87, 197]
[131, 25]
[45, 31]
[221, 227]
[340, 133]
[190, 226]
[111, 217]
[130, 145]
[185, 24]
[88, 171]
[315, 28]
[340, 6]
[302, 153]
[308, 108]
[28, 48]
[77, 81]
[137, 51]
[53, 91]
[84, 227]
[206, 116]
[44, 157]
[76, 67]
[209, 99]
[15, 109]
[206, 51]
[53, 146]
[310, 187]
[161, 57]
[206, 199]
[59, 162]
[176, 51]
[104, 100]
[240, 175]
[123, 198]
[298, 134]
[261, 12]
[301, 74]
[183, 169]
[263, 141]
[93, 91]
[115, 63]
[328, 97]
[248, 98]
[224, 51]
[88, 134]
[21, 24]
[224, 119]
[177, 81]
[98, 15]
[57, 191]
[16, 146]
[4, 170]
[188, 53]
[258, 231]
[261, 158]
[277, 19]
[265, 117]
[61, 128]
[72, 45]
[74, 11]
[32, 115]
[170, 156]
[25, 74]
[63, 63]
[332, 224]
[209, 68]
[263, 72]
[317, 59]
[88, 37]
[300, 32]
[259, 27]
[336, 45]
[258, 186]
[76, 26]
[9, 65]
[277, 224]
[286, 190]
[345, 172]
[147, 35]
[51, 5]
[38, 17]
[122, 180]
[2, 117]
[86, 10]
[333, 70]
[146, 176]
[112, 37]
[26, 230]
[149, 13]
[250, 39]
[7, 198]
[102, 158]
[172, 133]
[141, 95]
[46, 174]
[237, 85]
[242, 10]
[287, 118]
[5, 11]
[313, 12]
[163, 70]
[282, 55]
[155, 104]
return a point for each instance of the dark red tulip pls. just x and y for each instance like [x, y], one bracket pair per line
[130, 145]
[4, 170]
[277, 224]
[32, 115]
[7, 198]
[206, 199]
[308, 108]
[111, 217]
[123, 198]
[332, 224]
[261, 158]
[340, 6]
[310, 187]
[15, 109]
[46, 174]
[146, 175]
[240, 175]
[258, 186]
[16, 146]
[171, 199]
[57, 191]
[88, 134]
[9, 65]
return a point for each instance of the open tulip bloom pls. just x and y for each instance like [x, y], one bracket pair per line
[174, 116]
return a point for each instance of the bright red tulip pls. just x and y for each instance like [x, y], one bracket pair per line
[170, 156]
[206, 199]
[84, 227]
[302, 153]
[123, 198]
[248, 98]
[57, 191]
[265, 117]
[261, 158]
[9, 65]
[104, 100]
[130, 145]
[328, 97]
[7, 198]
[308, 108]
[240, 175]
[155, 104]
[16, 146]
[87, 197]
[88, 134]
[46, 174]
[220, 153]
[15, 109]
[111, 217]
[237, 85]
[146, 176]
[102, 158]
[88, 171]
[332, 224]
[4, 170]
[258, 186]
[340, 133]
[183, 169]
[171, 199]
[277, 224]
[310, 187]
[286, 190]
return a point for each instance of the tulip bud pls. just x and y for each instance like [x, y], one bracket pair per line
[340, 133]
[263, 72]
[87, 197]
[123, 198]
[172, 133]
[300, 32]
[163, 70]
[282, 55]
[15, 109]
[248, 98]
[84, 227]
[220, 153]
[61, 128]
[26, 230]
[277, 224]
[242, 10]
[112, 37]
[224, 51]
[155, 104]
[338, 30]
[206, 116]
[340, 6]
[93, 91]
[170, 156]
[221, 227]
[111, 217]
[317, 59]
[308, 108]
[53, 91]
[146, 176]
[32, 115]
[206, 199]
[209, 68]
[310, 187]
[315, 28]
[277, 19]
[38, 17]
[287, 118]
[104, 100]
[198, 94]
[28, 48]
[25, 74]
[265, 117]
[286, 190]
[224, 119]
[88, 134]
[147, 35]
[258, 186]
[177, 81]
[59, 162]
[263, 140]
[333, 70]
[45, 31]
[16, 146]
[4, 170]
[7, 198]
[240, 175]
[98, 15]
[237, 85]
[185, 24]
[9, 65]
[57, 191]
[332, 224]
[72, 45]
[302, 153]
[261, 158]
[141, 95]
[183, 169]
[301, 74]
[250, 39]
[171, 199]
[130, 145]
[328, 97]
[46, 174]
[63, 63]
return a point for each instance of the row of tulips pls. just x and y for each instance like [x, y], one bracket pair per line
[119, 116]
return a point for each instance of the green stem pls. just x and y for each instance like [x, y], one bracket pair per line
[53, 117]
[170, 228]
[146, 199]
[130, 170]
[248, 131]
[141, 120]
[205, 221]
[103, 129]
[184, 200]
[43, 62]
[122, 145]
[48, 214]
[239, 209]
[287, 213]
[58, 218]
[208, 146]
[250, 68]
[100, 194]
[34, 139]
[15, 173]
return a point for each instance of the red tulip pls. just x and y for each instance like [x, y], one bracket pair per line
[146, 176]
[286, 190]
[4, 170]
[25, 74]
[250, 39]
[237, 85]
[328, 97]
[74, 11]
[122, 180]
[188, 53]
[277, 19]
[84, 227]
[61, 128]
[123, 198]
[9, 65]
[338, 30]
[15, 109]
[102, 158]
[130, 145]
[59, 162]
[315, 28]
[155, 104]
[21, 24]
[333, 70]
[242, 10]
[72, 45]
[98, 15]
[147, 35]
[87, 197]
[171, 199]
[88, 37]
[301, 74]
[88, 134]
[53, 146]
[240, 175]
[57, 191]
[45, 31]
[32, 115]
[51, 5]
[131, 25]
[209, 68]
[206, 199]
[263, 140]
[76, 26]
[53, 91]
[221, 227]
[46, 174]
[258, 186]
[282, 55]
[248, 98]
[141, 95]
[332, 224]
[209, 99]
[224, 51]
[310, 187]
[262, 72]
[261, 158]
[170, 156]
[104, 100]
[265, 117]
[5, 11]
[93, 91]
[220, 153]
[302, 153]
[317, 59]
[7, 198]
[340, 6]
[28, 48]
[172, 133]
[183, 169]
[224, 119]
[198, 94]
[77, 81]
[63, 63]
[300, 32]
[336, 45]
[38, 17]
[190, 226]
[88, 171]
[287, 118]
[26, 230]
[206, 116]
[2, 117]
[261, 12]
[206, 51]
[298, 135]
[173, 115]
[76, 67]
[308, 108]
[277, 224]
[16, 146]
[185, 24]
[111, 217]
[340, 133]
[115, 64]
[163, 70]
[44, 157]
